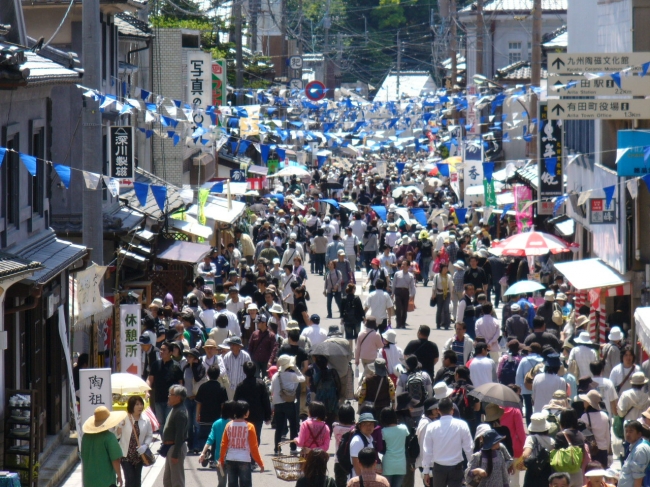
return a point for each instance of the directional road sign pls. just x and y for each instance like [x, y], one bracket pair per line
[602, 86]
[617, 109]
[295, 84]
[315, 90]
[565, 63]
[295, 62]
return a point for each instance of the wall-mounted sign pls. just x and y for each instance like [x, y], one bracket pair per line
[550, 147]
[601, 215]
[94, 391]
[199, 83]
[130, 360]
[121, 153]
[219, 82]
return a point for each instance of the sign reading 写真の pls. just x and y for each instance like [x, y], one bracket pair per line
[199, 83]
[601, 215]
[121, 153]
[129, 336]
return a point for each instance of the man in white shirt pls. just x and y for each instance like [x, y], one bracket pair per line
[234, 304]
[582, 355]
[207, 268]
[314, 332]
[605, 387]
[366, 426]
[351, 244]
[445, 441]
[388, 260]
[431, 413]
[622, 373]
[358, 226]
[488, 327]
[328, 230]
[233, 322]
[380, 304]
[482, 369]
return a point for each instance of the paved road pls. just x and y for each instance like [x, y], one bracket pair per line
[197, 476]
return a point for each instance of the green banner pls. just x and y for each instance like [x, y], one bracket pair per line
[273, 165]
[490, 194]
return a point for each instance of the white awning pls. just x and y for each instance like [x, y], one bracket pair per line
[590, 274]
[642, 320]
[350, 206]
[191, 227]
[216, 209]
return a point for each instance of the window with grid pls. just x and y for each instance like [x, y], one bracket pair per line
[514, 52]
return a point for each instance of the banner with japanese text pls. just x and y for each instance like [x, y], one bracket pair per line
[94, 390]
[129, 336]
[523, 207]
[549, 167]
[473, 172]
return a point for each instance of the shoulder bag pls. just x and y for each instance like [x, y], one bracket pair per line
[567, 459]
[372, 403]
[147, 457]
[627, 377]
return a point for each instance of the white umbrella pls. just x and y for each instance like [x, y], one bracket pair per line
[406, 189]
[124, 383]
[291, 171]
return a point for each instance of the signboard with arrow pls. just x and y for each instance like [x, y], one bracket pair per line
[606, 85]
[567, 63]
[613, 109]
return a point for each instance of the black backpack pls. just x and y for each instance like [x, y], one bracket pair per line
[349, 313]
[508, 371]
[343, 451]
[415, 389]
[539, 461]
[425, 247]
[462, 401]
[412, 447]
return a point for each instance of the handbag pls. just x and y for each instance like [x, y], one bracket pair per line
[567, 459]
[147, 457]
[371, 404]
[539, 459]
[433, 302]
[411, 306]
[618, 423]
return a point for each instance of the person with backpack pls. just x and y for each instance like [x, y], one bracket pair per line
[394, 461]
[368, 475]
[547, 382]
[345, 423]
[570, 454]
[516, 325]
[525, 366]
[325, 387]
[468, 406]
[284, 387]
[445, 441]
[353, 442]
[536, 454]
[314, 431]
[376, 389]
[598, 423]
[508, 363]
[377, 272]
[418, 385]
[426, 255]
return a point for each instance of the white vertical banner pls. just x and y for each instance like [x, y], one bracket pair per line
[63, 334]
[473, 173]
[454, 183]
[199, 84]
[381, 169]
[129, 335]
[94, 391]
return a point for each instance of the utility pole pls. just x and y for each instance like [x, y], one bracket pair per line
[254, 10]
[239, 58]
[285, 46]
[480, 29]
[326, 48]
[535, 68]
[452, 44]
[339, 48]
[399, 63]
[300, 38]
[91, 219]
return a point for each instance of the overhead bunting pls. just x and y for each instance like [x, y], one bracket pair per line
[91, 179]
[488, 169]
[160, 195]
[461, 213]
[558, 203]
[141, 192]
[29, 162]
[64, 174]
[609, 195]
[633, 188]
[2, 155]
[551, 165]
[443, 169]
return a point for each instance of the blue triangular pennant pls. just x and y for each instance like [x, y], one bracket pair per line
[64, 174]
[160, 195]
[609, 195]
[617, 79]
[558, 203]
[2, 155]
[218, 188]
[488, 169]
[460, 214]
[141, 191]
[551, 165]
[265, 149]
[321, 161]
[645, 67]
[30, 163]
[443, 169]
[400, 167]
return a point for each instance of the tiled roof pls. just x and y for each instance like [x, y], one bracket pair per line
[519, 6]
[43, 70]
[131, 26]
[518, 71]
[174, 201]
[55, 255]
[528, 175]
[10, 265]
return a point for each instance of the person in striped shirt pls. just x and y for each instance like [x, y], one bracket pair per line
[234, 362]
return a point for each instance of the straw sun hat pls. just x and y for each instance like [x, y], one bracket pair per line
[103, 420]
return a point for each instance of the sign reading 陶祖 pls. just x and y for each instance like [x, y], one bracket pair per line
[94, 391]
[121, 152]
[129, 336]
[199, 83]
[549, 167]
[568, 63]
[599, 214]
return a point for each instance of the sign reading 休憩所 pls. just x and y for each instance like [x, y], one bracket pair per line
[121, 153]
[129, 335]
[199, 83]
[631, 147]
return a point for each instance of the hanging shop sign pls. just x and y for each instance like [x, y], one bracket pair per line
[121, 152]
[550, 170]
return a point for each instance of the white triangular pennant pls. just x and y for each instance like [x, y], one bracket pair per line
[149, 117]
[114, 187]
[633, 187]
[584, 196]
[620, 153]
[91, 179]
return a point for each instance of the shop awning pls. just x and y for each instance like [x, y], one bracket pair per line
[590, 274]
[191, 227]
[216, 209]
[55, 255]
[185, 252]
[642, 320]
[12, 266]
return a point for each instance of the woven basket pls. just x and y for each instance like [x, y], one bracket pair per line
[288, 467]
